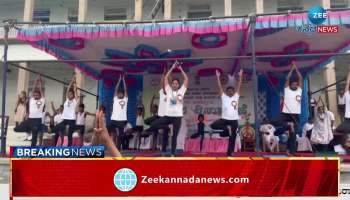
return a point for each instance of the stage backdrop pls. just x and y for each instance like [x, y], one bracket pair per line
[201, 98]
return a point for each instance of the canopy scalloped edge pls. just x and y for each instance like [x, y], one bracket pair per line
[168, 28]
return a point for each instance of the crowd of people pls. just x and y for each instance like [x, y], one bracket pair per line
[33, 118]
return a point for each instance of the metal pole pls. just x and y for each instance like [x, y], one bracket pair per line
[190, 58]
[4, 85]
[255, 81]
[50, 77]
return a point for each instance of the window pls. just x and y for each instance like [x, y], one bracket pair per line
[115, 14]
[72, 14]
[199, 11]
[339, 3]
[41, 15]
[285, 5]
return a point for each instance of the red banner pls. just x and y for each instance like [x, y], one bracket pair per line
[187, 177]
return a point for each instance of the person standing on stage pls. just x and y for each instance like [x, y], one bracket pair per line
[229, 111]
[21, 111]
[69, 112]
[119, 114]
[174, 105]
[344, 127]
[36, 112]
[341, 105]
[292, 106]
[158, 111]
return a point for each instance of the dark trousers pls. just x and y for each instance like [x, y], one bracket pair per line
[321, 147]
[196, 135]
[155, 131]
[119, 125]
[32, 125]
[221, 124]
[282, 120]
[163, 123]
[61, 127]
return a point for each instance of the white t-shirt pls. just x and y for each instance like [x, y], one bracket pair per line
[347, 104]
[81, 118]
[139, 121]
[307, 127]
[162, 103]
[69, 107]
[57, 119]
[119, 109]
[174, 104]
[36, 108]
[229, 106]
[292, 101]
[341, 100]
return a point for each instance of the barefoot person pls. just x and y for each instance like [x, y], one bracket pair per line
[174, 105]
[229, 113]
[292, 106]
[69, 112]
[36, 112]
[101, 136]
[119, 114]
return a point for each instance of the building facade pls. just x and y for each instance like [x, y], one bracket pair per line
[122, 10]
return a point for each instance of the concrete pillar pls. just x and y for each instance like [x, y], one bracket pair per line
[82, 17]
[23, 75]
[23, 78]
[138, 10]
[326, 4]
[331, 93]
[168, 9]
[330, 76]
[228, 7]
[259, 6]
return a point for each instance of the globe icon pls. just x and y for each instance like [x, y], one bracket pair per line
[125, 179]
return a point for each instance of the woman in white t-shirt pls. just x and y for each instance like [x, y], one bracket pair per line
[119, 114]
[344, 127]
[81, 120]
[174, 105]
[69, 112]
[158, 111]
[229, 113]
[36, 112]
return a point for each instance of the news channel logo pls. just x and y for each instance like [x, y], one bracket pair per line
[317, 15]
[125, 179]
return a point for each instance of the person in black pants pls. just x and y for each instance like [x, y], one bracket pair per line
[119, 114]
[229, 112]
[292, 107]
[69, 112]
[200, 130]
[174, 106]
[36, 112]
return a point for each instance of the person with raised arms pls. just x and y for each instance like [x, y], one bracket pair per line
[229, 111]
[36, 112]
[119, 114]
[158, 111]
[173, 114]
[292, 106]
[69, 112]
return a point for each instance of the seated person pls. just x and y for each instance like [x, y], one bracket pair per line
[247, 132]
[200, 130]
[268, 137]
[304, 143]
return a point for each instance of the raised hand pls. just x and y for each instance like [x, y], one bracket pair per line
[240, 73]
[217, 72]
